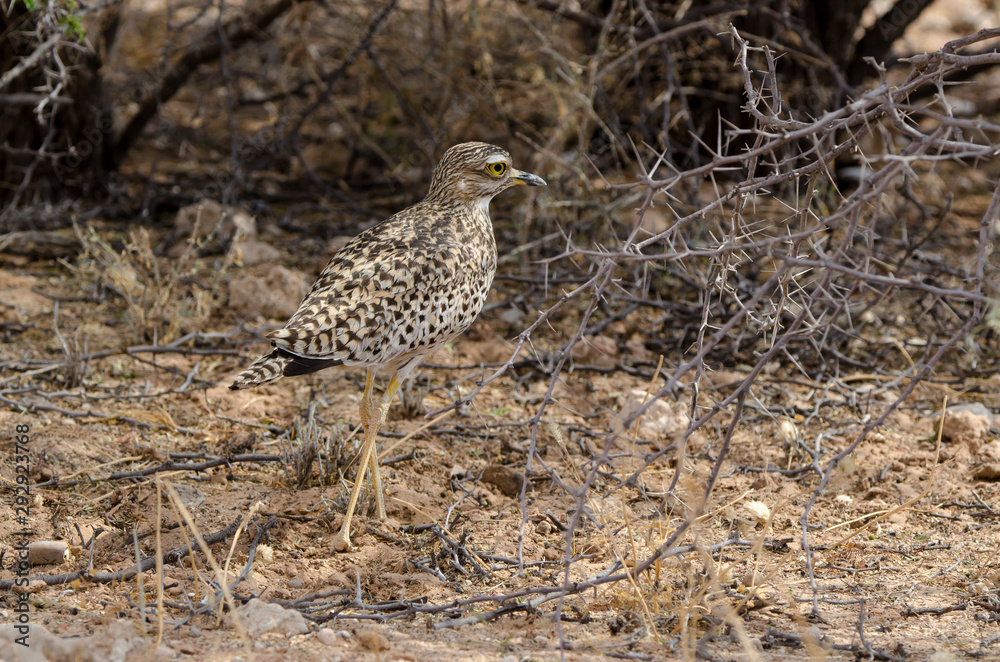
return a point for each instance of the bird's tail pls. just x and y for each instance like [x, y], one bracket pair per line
[266, 369]
[277, 364]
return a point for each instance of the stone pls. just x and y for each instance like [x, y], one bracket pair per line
[251, 252]
[662, 423]
[259, 617]
[596, 350]
[505, 479]
[965, 427]
[204, 217]
[274, 296]
[976, 408]
[118, 642]
[373, 640]
[329, 637]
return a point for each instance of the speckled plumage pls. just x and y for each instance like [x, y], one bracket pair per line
[401, 289]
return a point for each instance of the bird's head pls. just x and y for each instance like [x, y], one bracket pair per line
[475, 172]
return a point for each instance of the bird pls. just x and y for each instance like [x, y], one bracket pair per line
[397, 292]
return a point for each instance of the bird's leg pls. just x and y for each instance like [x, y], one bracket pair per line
[372, 417]
[383, 410]
[342, 541]
[377, 481]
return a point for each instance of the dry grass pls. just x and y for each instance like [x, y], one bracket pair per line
[164, 298]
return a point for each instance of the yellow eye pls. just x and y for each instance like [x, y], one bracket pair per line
[497, 169]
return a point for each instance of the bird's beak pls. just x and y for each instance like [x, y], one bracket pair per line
[526, 178]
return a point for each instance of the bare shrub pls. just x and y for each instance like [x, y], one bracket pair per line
[777, 274]
[164, 299]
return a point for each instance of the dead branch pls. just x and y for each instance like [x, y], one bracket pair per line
[172, 556]
[172, 465]
[204, 49]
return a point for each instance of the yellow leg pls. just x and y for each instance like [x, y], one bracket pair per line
[372, 418]
[342, 541]
[377, 479]
[383, 410]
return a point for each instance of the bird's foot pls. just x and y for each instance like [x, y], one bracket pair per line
[342, 541]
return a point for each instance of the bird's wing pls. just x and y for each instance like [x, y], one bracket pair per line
[375, 306]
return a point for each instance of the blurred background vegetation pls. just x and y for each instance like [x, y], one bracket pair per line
[292, 108]
[317, 119]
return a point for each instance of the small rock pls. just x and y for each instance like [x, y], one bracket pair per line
[505, 479]
[295, 582]
[191, 497]
[164, 652]
[542, 641]
[512, 316]
[663, 422]
[259, 617]
[336, 243]
[186, 648]
[42, 645]
[252, 252]
[328, 637]
[596, 350]
[636, 347]
[118, 642]
[975, 408]
[373, 640]
[203, 219]
[275, 296]
[990, 471]
[964, 427]
[990, 452]
[200, 219]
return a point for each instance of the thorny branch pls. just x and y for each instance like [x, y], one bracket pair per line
[820, 281]
[779, 262]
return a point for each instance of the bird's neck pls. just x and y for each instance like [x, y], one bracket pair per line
[469, 220]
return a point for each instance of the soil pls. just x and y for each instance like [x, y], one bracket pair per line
[903, 537]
